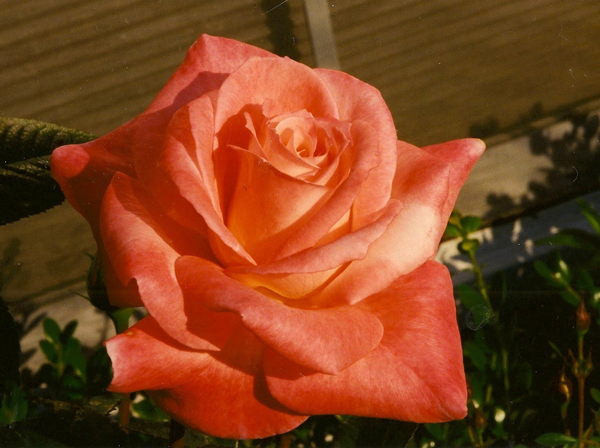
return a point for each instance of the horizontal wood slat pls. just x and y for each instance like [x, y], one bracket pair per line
[94, 65]
[446, 65]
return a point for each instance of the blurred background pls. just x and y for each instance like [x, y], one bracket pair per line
[523, 75]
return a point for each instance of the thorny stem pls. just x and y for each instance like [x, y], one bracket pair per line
[124, 411]
[285, 440]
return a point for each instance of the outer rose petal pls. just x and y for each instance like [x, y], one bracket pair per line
[84, 171]
[145, 358]
[309, 337]
[120, 294]
[222, 394]
[421, 184]
[415, 374]
[142, 245]
[207, 64]
[461, 155]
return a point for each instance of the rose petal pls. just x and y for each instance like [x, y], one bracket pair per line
[461, 155]
[308, 337]
[207, 64]
[142, 244]
[421, 184]
[285, 160]
[358, 101]
[364, 142]
[189, 384]
[301, 274]
[119, 294]
[288, 85]
[144, 358]
[84, 171]
[266, 205]
[416, 372]
[187, 161]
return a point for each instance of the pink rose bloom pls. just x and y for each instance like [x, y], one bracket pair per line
[282, 240]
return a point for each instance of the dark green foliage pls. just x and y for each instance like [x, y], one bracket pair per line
[10, 349]
[26, 187]
[98, 296]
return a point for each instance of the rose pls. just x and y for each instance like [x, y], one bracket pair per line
[281, 239]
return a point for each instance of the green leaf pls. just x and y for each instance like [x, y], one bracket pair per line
[78, 363]
[469, 296]
[475, 353]
[563, 269]
[68, 331]
[26, 187]
[576, 238]
[10, 349]
[14, 405]
[436, 430]
[595, 394]
[455, 218]
[51, 330]
[543, 269]
[452, 231]
[470, 224]
[71, 351]
[554, 439]
[569, 297]
[468, 245]
[555, 348]
[72, 386]
[147, 410]
[49, 350]
[589, 213]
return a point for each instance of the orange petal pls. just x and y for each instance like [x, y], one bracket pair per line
[308, 337]
[359, 101]
[461, 155]
[187, 160]
[84, 171]
[222, 394]
[266, 205]
[207, 64]
[288, 85]
[415, 374]
[421, 184]
[299, 275]
[142, 244]
[366, 158]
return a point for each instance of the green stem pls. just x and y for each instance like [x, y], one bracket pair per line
[479, 278]
[581, 390]
[581, 441]
[503, 351]
[120, 318]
